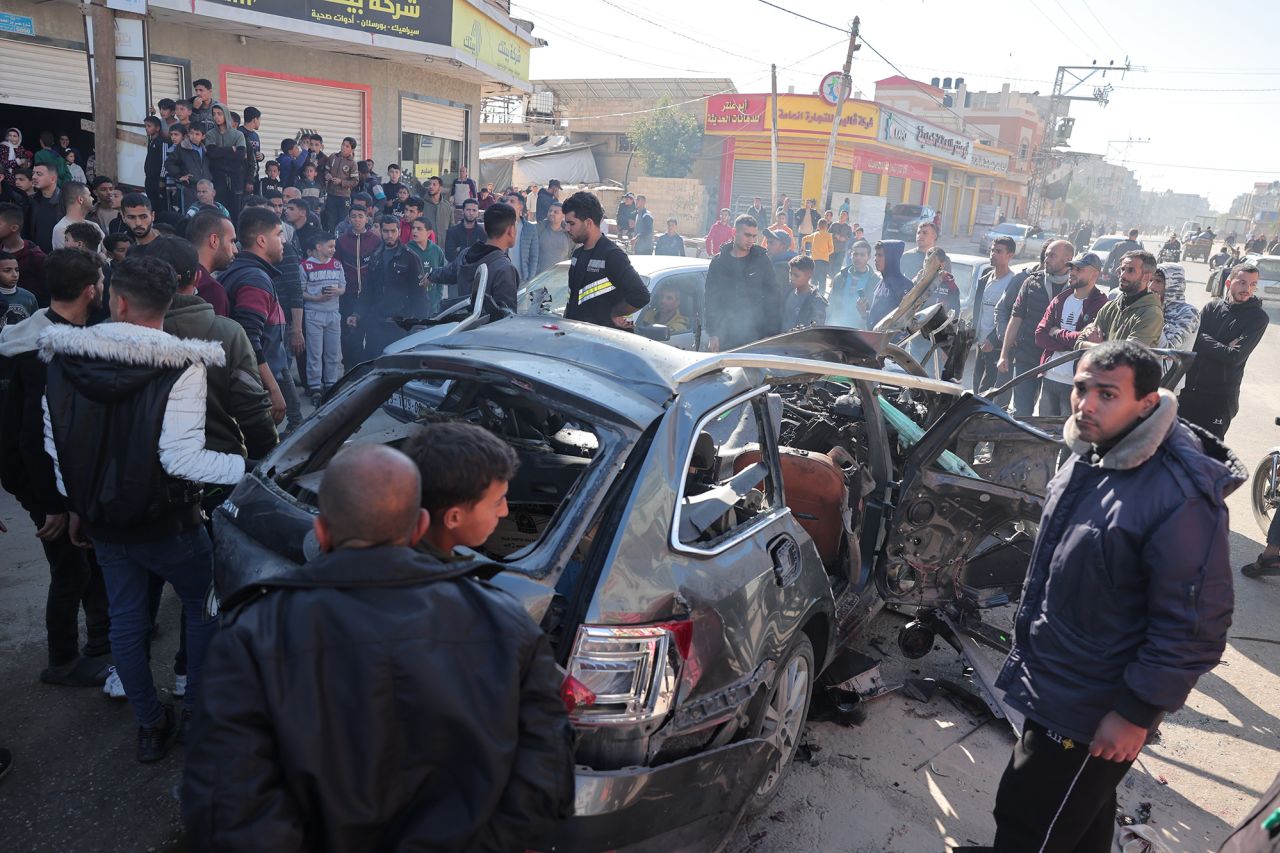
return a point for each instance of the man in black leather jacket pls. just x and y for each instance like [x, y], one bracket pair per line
[376, 698]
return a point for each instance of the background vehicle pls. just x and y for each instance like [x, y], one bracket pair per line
[967, 269]
[1102, 247]
[699, 536]
[901, 220]
[548, 291]
[1198, 249]
[1029, 240]
[1266, 488]
[1268, 278]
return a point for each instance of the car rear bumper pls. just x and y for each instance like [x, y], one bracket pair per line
[687, 805]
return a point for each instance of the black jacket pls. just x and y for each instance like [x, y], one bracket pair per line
[152, 165]
[1219, 367]
[1025, 297]
[602, 283]
[185, 161]
[458, 238]
[743, 300]
[502, 286]
[377, 699]
[45, 213]
[394, 285]
[26, 471]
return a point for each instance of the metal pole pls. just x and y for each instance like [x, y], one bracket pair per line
[846, 85]
[105, 110]
[773, 151]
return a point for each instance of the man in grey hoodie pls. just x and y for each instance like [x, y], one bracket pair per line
[503, 282]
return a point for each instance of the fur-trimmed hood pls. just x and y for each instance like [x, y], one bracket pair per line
[111, 361]
[1202, 459]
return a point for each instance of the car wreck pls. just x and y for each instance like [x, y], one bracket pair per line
[700, 536]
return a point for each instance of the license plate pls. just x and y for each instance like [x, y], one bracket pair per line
[399, 401]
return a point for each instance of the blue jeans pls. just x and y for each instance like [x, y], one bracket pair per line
[1024, 395]
[186, 562]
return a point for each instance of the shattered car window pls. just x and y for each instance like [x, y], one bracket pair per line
[729, 481]
[555, 449]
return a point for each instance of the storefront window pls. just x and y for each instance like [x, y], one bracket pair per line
[425, 156]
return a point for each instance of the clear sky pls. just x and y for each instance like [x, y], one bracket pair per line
[1208, 101]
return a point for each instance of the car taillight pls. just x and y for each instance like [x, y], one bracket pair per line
[630, 670]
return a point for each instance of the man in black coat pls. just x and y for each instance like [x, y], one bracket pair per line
[394, 289]
[743, 300]
[447, 731]
[1230, 329]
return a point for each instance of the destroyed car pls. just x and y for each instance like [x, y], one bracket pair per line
[700, 536]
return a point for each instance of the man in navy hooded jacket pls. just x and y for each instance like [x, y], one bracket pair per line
[1126, 604]
[893, 286]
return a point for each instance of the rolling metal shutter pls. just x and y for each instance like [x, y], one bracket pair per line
[915, 192]
[35, 75]
[869, 183]
[288, 108]
[841, 180]
[896, 186]
[167, 81]
[428, 119]
[751, 179]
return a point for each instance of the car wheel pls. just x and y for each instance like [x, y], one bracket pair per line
[783, 717]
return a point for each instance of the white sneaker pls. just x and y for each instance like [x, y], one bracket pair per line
[113, 688]
[179, 685]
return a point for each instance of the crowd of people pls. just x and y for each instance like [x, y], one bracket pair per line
[234, 282]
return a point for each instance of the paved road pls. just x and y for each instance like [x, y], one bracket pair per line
[916, 777]
[910, 777]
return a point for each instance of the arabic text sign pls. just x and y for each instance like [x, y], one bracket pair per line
[990, 161]
[421, 20]
[475, 33]
[810, 114]
[20, 24]
[912, 134]
[890, 166]
[733, 113]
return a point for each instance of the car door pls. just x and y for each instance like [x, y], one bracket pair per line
[966, 506]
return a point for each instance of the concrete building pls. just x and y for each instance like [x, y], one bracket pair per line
[601, 112]
[1103, 192]
[1010, 121]
[1170, 210]
[405, 78]
[1260, 206]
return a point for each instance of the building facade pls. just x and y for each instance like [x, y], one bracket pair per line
[404, 78]
[880, 151]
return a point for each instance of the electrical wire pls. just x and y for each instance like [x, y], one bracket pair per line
[1101, 25]
[964, 125]
[1065, 35]
[805, 17]
[670, 31]
[695, 100]
[555, 30]
[1204, 168]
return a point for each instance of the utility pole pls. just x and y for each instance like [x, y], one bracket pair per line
[1064, 91]
[773, 149]
[846, 86]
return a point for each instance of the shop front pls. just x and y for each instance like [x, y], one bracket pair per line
[404, 78]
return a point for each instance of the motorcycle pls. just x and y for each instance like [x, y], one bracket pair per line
[1266, 488]
[1170, 254]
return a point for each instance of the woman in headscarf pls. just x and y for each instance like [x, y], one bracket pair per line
[1181, 321]
[12, 155]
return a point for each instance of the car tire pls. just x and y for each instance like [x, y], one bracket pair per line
[783, 715]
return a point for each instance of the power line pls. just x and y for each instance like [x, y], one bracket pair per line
[701, 98]
[805, 17]
[1204, 168]
[1088, 35]
[964, 125]
[611, 52]
[1065, 35]
[677, 32]
[1101, 25]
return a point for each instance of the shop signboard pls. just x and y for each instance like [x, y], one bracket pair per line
[20, 24]
[903, 131]
[989, 161]
[797, 114]
[419, 20]
[729, 114]
[891, 166]
[477, 34]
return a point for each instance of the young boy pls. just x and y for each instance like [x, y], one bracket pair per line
[272, 180]
[82, 235]
[803, 306]
[465, 470]
[21, 303]
[323, 283]
[307, 184]
[116, 246]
